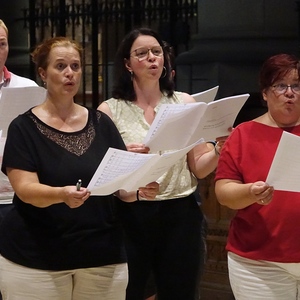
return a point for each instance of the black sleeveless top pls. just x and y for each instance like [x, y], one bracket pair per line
[58, 237]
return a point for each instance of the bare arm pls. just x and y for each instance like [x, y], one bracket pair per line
[202, 160]
[28, 188]
[237, 195]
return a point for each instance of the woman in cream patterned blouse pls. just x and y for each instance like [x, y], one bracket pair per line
[162, 236]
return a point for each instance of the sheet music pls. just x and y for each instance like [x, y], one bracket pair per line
[177, 125]
[175, 121]
[17, 100]
[116, 164]
[206, 96]
[219, 117]
[284, 172]
[128, 171]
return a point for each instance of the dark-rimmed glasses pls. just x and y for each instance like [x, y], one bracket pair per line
[281, 88]
[143, 52]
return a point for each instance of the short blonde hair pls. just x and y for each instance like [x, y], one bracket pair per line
[2, 24]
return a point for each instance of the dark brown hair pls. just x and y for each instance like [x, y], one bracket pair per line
[123, 86]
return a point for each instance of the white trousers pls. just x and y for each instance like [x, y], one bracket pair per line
[22, 283]
[263, 280]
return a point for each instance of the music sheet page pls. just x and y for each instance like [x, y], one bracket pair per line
[126, 170]
[178, 125]
[284, 173]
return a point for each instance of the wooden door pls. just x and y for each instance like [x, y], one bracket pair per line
[215, 282]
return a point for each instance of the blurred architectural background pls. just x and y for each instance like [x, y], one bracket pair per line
[99, 25]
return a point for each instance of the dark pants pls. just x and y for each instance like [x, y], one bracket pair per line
[203, 252]
[163, 237]
[150, 286]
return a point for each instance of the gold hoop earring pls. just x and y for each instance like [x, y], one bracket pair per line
[131, 75]
[165, 74]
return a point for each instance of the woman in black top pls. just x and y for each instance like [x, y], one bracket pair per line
[60, 243]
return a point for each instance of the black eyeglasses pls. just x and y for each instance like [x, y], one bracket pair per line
[142, 53]
[281, 88]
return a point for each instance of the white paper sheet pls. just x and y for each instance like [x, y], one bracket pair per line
[128, 171]
[17, 100]
[206, 96]
[284, 173]
[178, 125]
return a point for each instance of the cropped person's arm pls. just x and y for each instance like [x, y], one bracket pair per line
[28, 188]
[237, 195]
[202, 160]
